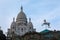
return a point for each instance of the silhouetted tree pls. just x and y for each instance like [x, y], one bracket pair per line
[2, 36]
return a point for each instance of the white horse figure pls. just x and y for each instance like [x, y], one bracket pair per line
[46, 23]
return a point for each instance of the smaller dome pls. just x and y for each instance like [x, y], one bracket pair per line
[13, 23]
[30, 23]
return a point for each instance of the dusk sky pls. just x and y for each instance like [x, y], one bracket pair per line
[37, 10]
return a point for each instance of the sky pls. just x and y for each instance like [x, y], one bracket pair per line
[37, 10]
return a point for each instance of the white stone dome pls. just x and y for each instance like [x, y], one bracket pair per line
[21, 17]
[13, 24]
[30, 23]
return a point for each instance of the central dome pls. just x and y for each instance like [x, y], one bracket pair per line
[21, 15]
[21, 18]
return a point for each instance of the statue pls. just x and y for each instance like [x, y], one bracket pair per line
[46, 23]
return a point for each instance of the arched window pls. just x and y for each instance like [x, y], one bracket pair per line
[22, 29]
[30, 27]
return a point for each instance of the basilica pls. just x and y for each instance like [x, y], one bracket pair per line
[21, 29]
[21, 26]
